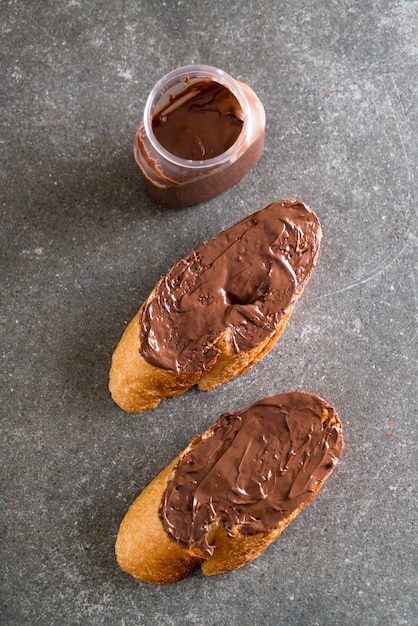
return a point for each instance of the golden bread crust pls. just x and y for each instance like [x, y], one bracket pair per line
[136, 385]
[144, 549]
[235, 552]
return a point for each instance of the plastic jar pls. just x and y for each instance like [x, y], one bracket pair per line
[176, 181]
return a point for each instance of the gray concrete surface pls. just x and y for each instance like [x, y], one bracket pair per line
[82, 245]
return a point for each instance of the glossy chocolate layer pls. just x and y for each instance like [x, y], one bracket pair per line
[242, 281]
[255, 468]
[199, 123]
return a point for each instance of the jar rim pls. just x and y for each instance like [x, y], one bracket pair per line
[194, 72]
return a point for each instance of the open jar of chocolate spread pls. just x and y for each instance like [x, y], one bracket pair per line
[201, 134]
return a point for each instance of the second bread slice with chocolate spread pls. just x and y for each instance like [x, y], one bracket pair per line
[232, 491]
[219, 310]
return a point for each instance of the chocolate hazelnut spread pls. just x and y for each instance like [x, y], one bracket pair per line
[200, 123]
[220, 135]
[243, 281]
[253, 470]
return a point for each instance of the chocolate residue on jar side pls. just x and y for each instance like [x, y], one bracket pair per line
[199, 123]
[244, 280]
[254, 470]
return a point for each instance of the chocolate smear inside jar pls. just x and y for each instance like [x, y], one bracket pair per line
[199, 123]
[201, 133]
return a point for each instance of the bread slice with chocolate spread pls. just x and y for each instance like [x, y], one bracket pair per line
[219, 310]
[232, 491]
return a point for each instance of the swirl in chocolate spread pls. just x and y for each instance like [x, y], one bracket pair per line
[243, 281]
[200, 123]
[254, 469]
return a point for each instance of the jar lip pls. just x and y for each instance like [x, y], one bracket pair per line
[194, 72]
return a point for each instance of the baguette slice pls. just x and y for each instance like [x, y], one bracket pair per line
[232, 491]
[218, 311]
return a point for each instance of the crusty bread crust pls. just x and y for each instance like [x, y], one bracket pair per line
[144, 549]
[136, 385]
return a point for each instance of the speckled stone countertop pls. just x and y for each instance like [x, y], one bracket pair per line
[82, 245]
